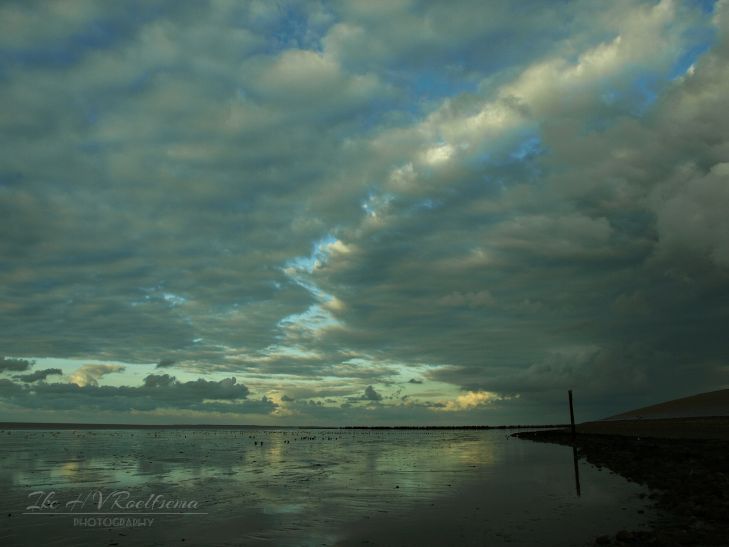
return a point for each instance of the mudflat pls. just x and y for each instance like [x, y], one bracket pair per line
[293, 487]
[708, 427]
[687, 478]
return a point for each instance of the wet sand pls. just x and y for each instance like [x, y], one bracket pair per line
[316, 487]
[688, 478]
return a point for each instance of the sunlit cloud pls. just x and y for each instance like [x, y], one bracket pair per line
[89, 375]
[471, 400]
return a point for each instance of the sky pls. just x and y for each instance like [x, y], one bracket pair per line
[393, 212]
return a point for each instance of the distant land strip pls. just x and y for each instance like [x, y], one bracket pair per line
[53, 425]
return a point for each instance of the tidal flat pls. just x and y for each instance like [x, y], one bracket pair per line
[304, 487]
[688, 476]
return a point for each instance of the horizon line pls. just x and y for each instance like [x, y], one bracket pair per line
[88, 425]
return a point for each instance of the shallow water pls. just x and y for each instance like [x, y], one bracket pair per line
[304, 487]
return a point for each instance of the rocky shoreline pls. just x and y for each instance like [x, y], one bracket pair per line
[688, 481]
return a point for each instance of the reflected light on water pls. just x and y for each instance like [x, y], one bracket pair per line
[284, 485]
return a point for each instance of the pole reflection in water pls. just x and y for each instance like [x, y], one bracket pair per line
[577, 469]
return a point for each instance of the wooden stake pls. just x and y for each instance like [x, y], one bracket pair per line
[574, 446]
[572, 415]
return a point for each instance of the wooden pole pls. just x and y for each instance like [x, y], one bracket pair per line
[572, 415]
[574, 446]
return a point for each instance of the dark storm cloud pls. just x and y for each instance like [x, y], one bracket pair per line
[10, 364]
[8, 388]
[518, 199]
[157, 392]
[166, 387]
[37, 375]
[371, 395]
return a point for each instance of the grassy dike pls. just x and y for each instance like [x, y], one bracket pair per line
[688, 482]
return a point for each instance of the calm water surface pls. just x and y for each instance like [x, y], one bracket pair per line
[305, 487]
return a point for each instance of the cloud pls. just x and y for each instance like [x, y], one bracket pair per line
[156, 393]
[164, 386]
[471, 300]
[324, 198]
[690, 217]
[21, 26]
[165, 363]
[89, 375]
[37, 375]
[10, 364]
[371, 395]
[469, 400]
